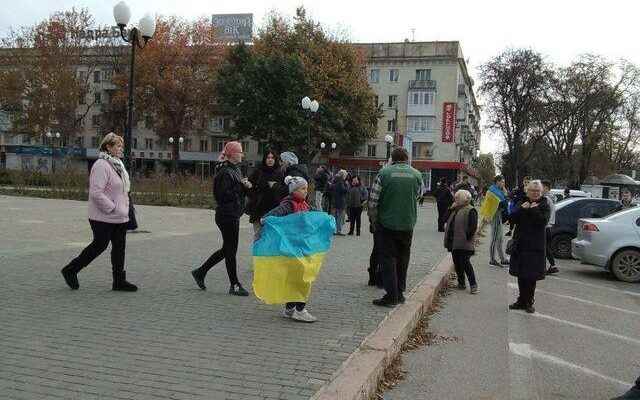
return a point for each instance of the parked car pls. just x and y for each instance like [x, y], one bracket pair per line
[612, 243]
[568, 212]
[558, 194]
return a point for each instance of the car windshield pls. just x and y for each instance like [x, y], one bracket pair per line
[633, 212]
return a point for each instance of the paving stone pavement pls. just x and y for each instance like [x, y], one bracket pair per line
[171, 340]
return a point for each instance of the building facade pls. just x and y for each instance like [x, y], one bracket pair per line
[423, 88]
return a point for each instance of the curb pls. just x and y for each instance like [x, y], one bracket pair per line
[358, 377]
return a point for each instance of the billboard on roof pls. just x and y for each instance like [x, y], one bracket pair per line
[233, 27]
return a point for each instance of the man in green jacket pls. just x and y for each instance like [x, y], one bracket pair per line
[393, 211]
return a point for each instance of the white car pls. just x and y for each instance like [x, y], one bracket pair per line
[612, 243]
[558, 194]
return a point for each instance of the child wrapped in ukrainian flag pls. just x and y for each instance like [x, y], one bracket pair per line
[289, 252]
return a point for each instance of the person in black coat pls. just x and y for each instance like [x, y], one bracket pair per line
[229, 191]
[340, 189]
[516, 196]
[265, 195]
[444, 200]
[528, 259]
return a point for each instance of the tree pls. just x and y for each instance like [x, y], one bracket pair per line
[174, 79]
[486, 168]
[513, 84]
[326, 68]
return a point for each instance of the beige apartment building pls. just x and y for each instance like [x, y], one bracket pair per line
[424, 89]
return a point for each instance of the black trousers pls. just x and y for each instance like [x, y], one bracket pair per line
[355, 219]
[103, 233]
[375, 267]
[548, 251]
[395, 251]
[230, 230]
[462, 264]
[527, 288]
[442, 218]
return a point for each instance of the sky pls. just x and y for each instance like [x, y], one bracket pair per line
[559, 29]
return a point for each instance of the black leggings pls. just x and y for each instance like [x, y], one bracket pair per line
[230, 230]
[462, 264]
[103, 233]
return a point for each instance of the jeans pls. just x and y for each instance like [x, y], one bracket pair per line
[339, 215]
[355, 219]
[527, 290]
[230, 230]
[103, 233]
[496, 238]
[319, 195]
[548, 251]
[395, 251]
[462, 264]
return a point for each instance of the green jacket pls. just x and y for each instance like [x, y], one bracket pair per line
[394, 197]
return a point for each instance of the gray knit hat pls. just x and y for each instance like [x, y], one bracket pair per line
[295, 183]
[289, 158]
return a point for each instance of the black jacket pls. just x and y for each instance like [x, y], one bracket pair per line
[444, 198]
[528, 258]
[339, 190]
[263, 197]
[228, 191]
[321, 179]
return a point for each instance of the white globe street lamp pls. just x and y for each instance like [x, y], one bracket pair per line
[323, 145]
[389, 140]
[334, 145]
[312, 107]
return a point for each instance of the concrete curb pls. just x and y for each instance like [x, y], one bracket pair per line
[358, 377]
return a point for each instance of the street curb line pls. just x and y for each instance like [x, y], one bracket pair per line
[358, 377]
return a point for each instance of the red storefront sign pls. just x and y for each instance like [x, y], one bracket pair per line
[448, 122]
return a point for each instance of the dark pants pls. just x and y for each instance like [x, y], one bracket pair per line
[230, 230]
[103, 233]
[298, 306]
[375, 267]
[552, 261]
[355, 219]
[462, 264]
[527, 288]
[395, 250]
[443, 213]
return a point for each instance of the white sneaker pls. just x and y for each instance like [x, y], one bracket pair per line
[288, 312]
[303, 316]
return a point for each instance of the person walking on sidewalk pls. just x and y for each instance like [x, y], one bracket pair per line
[109, 187]
[229, 191]
[356, 199]
[530, 217]
[632, 394]
[339, 189]
[444, 200]
[393, 210]
[497, 233]
[552, 220]
[459, 238]
[264, 194]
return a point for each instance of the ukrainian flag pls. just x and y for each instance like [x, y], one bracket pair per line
[288, 256]
[491, 202]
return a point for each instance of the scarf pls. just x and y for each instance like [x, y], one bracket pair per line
[299, 205]
[118, 165]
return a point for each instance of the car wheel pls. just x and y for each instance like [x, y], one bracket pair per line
[561, 246]
[626, 266]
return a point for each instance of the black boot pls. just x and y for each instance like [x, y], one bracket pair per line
[198, 276]
[120, 282]
[70, 275]
[372, 277]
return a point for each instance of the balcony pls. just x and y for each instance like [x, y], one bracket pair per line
[425, 85]
[462, 90]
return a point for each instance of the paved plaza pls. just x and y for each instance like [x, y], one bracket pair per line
[171, 340]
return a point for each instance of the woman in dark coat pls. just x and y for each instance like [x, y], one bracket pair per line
[528, 260]
[459, 238]
[444, 200]
[340, 190]
[265, 194]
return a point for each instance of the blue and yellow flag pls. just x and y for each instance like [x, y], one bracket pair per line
[288, 256]
[491, 202]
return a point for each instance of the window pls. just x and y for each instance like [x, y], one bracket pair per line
[151, 154]
[423, 74]
[135, 143]
[220, 145]
[393, 75]
[148, 121]
[421, 124]
[142, 154]
[245, 147]
[97, 98]
[83, 99]
[82, 76]
[262, 147]
[391, 125]
[160, 156]
[421, 150]
[26, 139]
[107, 75]
[204, 145]
[148, 144]
[371, 150]
[96, 76]
[187, 144]
[95, 120]
[79, 141]
[94, 142]
[393, 101]
[422, 98]
[375, 76]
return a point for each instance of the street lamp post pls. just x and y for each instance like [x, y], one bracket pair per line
[312, 107]
[175, 159]
[52, 136]
[389, 140]
[146, 28]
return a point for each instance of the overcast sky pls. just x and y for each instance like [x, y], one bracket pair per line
[559, 29]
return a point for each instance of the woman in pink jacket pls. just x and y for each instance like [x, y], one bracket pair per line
[108, 214]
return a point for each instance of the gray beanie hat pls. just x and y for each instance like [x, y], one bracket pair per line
[289, 158]
[295, 183]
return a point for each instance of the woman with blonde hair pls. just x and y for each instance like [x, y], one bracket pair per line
[459, 238]
[109, 187]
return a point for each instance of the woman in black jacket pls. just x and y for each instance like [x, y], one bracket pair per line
[528, 261]
[444, 200]
[264, 195]
[229, 190]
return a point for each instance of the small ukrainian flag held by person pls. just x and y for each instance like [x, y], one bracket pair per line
[491, 202]
[289, 254]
